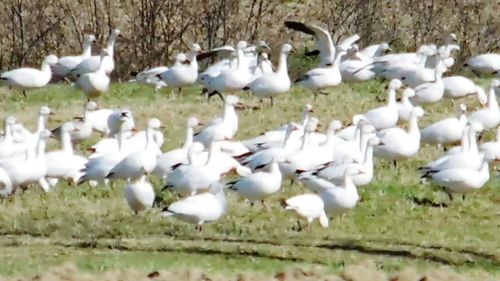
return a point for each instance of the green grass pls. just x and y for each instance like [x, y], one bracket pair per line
[95, 229]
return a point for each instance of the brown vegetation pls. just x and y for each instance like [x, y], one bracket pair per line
[157, 28]
[361, 272]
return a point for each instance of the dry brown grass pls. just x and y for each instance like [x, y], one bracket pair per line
[365, 271]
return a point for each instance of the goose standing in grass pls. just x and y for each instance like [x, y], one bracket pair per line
[98, 118]
[446, 131]
[64, 164]
[467, 158]
[167, 161]
[308, 206]
[385, 116]
[183, 74]
[7, 142]
[334, 173]
[31, 169]
[456, 87]
[67, 63]
[95, 83]
[341, 198]
[227, 126]
[200, 172]
[93, 63]
[491, 149]
[397, 144]
[430, 92]
[489, 117]
[5, 184]
[405, 106]
[461, 180]
[322, 77]
[136, 164]
[151, 76]
[99, 166]
[140, 194]
[275, 83]
[29, 78]
[484, 63]
[201, 208]
[260, 185]
[233, 79]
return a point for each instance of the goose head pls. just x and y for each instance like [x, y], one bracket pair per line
[196, 48]
[384, 48]
[286, 49]
[461, 109]
[154, 124]
[192, 122]
[308, 109]
[450, 38]
[262, 46]
[44, 135]
[241, 45]
[91, 106]
[417, 112]
[51, 60]
[45, 111]
[181, 58]
[476, 127]
[311, 125]
[231, 100]
[395, 84]
[195, 148]
[89, 39]
[408, 93]
[10, 120]
[374, 141]
[67, 127]
[334, 125]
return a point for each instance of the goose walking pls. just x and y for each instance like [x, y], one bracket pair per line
[308, 206]
[140, 195]
[29, 78]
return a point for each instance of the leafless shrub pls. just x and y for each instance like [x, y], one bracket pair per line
[158, 28]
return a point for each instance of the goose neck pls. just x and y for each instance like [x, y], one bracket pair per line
[7, 132]
[348, 184]
[305, 139]
[87, 50]
[464, 142]
[368, 155]
[67, 147]
[282, 64]
[41, 123]
[189, 138]
[211, 153]
[413, 126]
[40, 148]
[492, 100]
[391, 100]
[472, 141]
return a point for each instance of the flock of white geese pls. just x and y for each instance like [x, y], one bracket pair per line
[331, 165]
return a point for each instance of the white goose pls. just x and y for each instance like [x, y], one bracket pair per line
[29, 78]
[233, 79]
[136, 164]
[484, 63]
[430, 92]
[7, 142]
[322, 77]
[64, 164]
[385, 116]
[98, 118]
[456, 87]
[491, 149]
[183, 74]
[227, 126]
[259, 185]
[31, 169]
[342, 198]
[95, 83]
[308, 206]
[98, 167]
[446, 131]
[199, 174]
[5, 184]
[168, 160]
[397, 144]
[405, 106]
[93, 63]
[67, 63]
[467, 158]
[201, 208]
[140, 194]
[462, 180]
[275, 83]
[489, 117]
[264, 157]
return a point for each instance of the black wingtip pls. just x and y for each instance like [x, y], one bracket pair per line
[134, 73]
[260, 167]
[246, 88]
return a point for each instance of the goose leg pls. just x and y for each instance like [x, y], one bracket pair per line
[179, 93]
[24, 94]
[272, 102]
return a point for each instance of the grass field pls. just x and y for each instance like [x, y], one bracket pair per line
[94, 229]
